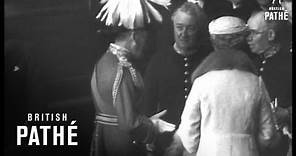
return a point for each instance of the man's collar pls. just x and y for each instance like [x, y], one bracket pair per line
[271, 51]
[181, 52]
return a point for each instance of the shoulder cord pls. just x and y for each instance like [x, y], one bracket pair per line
[121, 53]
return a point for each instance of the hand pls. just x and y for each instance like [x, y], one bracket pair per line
[282, 114]
[286, 132]
[161, 125]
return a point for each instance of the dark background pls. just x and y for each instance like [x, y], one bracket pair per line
[54, 45]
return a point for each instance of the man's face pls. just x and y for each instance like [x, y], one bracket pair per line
[258, 37]
[140, 38]
[185, 30]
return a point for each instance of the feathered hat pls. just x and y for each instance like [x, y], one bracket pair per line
[131, 14]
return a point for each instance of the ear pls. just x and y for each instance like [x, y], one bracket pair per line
[271, 35]
[132, 39]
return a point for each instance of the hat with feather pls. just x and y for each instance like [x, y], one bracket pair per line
[130, 14]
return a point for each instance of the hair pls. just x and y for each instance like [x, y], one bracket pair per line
[193, 10]
[224, 41]
[202, 21]
[280, 28]
[223, 60]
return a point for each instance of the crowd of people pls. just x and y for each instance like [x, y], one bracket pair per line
[223, 87]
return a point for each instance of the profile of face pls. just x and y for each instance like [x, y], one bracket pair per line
[260, 36]
[185, 30]
[138, 44]
[288, 6]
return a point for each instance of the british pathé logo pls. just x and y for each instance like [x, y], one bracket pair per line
[274, 1]
[44, 129]
[276, 12]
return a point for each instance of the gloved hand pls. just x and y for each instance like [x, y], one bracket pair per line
[161, 125]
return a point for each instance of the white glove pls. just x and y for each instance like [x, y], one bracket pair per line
[161, 125]
[286, 132]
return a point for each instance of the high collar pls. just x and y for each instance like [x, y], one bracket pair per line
[270, 52]
[120, 52]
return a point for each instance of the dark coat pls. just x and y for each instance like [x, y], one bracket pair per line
[277, 75]
[167, 85]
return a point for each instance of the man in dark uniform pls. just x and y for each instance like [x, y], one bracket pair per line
[269, 40]
[167, 77]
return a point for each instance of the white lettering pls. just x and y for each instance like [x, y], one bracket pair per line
[44, 130]
[34, 136]
[70, 134]
[22, 131]
[56, 135]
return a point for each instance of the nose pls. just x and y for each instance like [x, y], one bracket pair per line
[184, 32]
[249, 37]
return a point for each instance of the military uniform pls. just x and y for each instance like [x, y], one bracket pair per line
[116, 88]
[276, 71]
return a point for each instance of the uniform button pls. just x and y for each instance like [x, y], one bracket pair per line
[185, 89]
[186, 72]
[185, 58]
[186, 65]
[263, 62]
[16, 68]
[261, 69]
[185, 96]
[186, 81]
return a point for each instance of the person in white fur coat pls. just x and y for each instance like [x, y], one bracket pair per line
[228, 110]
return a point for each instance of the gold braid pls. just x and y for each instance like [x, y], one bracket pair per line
[121, 54]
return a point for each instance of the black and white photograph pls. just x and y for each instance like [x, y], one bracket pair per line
[148, 77]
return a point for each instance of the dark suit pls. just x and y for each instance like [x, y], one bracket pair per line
[167, 85]
[276, 72]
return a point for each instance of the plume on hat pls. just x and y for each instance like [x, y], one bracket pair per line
[131, 14]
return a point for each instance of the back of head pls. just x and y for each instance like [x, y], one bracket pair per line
[227, 32]
[225, 59]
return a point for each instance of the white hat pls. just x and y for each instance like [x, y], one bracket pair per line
[227, 25]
